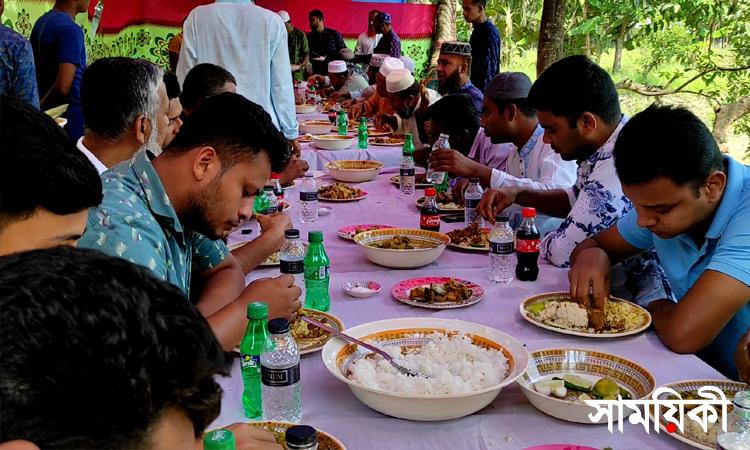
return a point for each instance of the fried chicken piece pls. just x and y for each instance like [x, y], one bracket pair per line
[597, 318]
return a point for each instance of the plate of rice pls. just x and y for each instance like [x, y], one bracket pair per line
[556, 311]
[465, 366]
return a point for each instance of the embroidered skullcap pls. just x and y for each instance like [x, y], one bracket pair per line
[389, 65]
[399, 80]
[337, 67]
[508, 85]
[456, 48]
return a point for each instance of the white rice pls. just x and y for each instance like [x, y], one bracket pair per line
[565, 314]
[453, 364]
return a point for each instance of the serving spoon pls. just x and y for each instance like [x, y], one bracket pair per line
[346, 337]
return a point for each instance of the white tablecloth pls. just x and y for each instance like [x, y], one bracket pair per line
[510, 422]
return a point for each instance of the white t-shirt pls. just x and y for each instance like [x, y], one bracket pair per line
[94, 160]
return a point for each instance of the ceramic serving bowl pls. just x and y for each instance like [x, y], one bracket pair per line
[338, 355]
[373, 287]
[315, 127]
[334, 141]
[352, 171]
[305, 109]
[429, 245]
[590, 365]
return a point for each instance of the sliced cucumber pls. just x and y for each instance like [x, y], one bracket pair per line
[577, 383]
[625, 394]
[536, 308]
[547, 387]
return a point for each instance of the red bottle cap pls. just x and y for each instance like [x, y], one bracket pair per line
[528, 213]
[429, 192]
[275, 176]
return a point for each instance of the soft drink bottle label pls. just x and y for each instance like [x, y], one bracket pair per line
[280, 377]
[501, 248]
[249, 361]
[308, 196]
[292, 267]
[527, 245]
[429, 221]
[323, 272]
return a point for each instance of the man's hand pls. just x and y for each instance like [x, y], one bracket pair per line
[273, 227]
[356, 110]
[340, 96]
[742, 357]
[295, 67]
[294, 146]
[495, 200]
[346, 104]
[248, 437]
[295, 169]
[318, 80]
[453, 162]
[280, 294]
[589, 278]
[424, 104]
[382, 120]
[458, 191]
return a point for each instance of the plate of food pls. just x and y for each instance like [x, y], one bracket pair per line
[386, 141]
[471, 238]
[311, 339]
[556, 311]
[340, 192]
[437, 292]
[693, 434]
[402, 248]
[305, 138]
[445, 203]
[420, 181]
[278, 429]
[353, 230]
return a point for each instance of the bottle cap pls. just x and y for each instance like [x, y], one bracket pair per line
[501, 217]
[444, 136]
[528, 213]
[363, 120]
[315, 236]
[275, 176]
[291, 233]
[301, 436]
[429, 192]
[219, 440]
[473, 180]
[257, 310]
[278, 326]
[308, 174]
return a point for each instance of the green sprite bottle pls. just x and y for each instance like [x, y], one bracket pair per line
[219, 440]
[317, 274]
[342, 124]
[362, 134]
[254, 343]
[260, 204]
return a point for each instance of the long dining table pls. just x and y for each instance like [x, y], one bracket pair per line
[510, 422]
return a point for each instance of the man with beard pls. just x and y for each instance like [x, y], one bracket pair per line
[454, 71]
[125, 106]
[168, 215]
[407, 97]
[377, 103]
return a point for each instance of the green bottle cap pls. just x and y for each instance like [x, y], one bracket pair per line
[257, 310]
[363, 120]
[315, 236]
[219, 440]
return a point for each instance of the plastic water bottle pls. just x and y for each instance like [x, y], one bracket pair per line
[317, 274]
[407, 177]
[472, 196]
[291, 257]
[502, 262]
[308, 199]
[737, 436]
[252, 346]
[273, 203]
[282, 399]
[441, 144]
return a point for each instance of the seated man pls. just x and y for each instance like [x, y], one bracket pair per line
[692, 205]
[454, 73]
[407, 97]
[507, 118]
[341, 80]
[578, 107]
[378, 103]
[46, 184]
[125, 106]
[372, 71]
[742, 357]
[204, 81]
[168, 215]
[111, 358]
[174, 113]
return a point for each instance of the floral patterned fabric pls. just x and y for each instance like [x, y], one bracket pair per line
[17, 75]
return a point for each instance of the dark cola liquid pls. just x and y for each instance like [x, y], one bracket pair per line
[429, 219]
[527, 251]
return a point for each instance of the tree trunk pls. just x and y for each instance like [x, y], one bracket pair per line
[726, 115]
[617, 65]
[587, 36]
[551, 34]
[445, 27]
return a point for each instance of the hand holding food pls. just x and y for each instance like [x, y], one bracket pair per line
[589, 278]
[282, 290]
[495, 200]
[458, 190]
[386, 120]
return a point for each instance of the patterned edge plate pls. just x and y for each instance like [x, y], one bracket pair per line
[325, 199]
[314, 345]
[305, 139]
[349, 232]
[268, 262]
[729, 387]
[399, 143]
[325, 440]
[468, 247]
[442, 210]
[397, 181]
[644, 324]
[400, 292]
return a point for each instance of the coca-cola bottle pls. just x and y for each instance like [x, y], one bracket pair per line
[527, 247]
[429, 218]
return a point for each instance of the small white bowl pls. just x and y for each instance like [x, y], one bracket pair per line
[315, 127]
[305, 109]
[353, 171]
[334, 141]
[373, 286]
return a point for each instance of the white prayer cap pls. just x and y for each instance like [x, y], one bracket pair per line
[399, 80]
[408, 63]
[337, 67]
[389, 65]
[377, 59]
[284, 16]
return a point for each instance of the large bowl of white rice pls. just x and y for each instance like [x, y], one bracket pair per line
[466, 366]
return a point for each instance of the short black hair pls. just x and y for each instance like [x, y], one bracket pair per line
[455, 112]
[236, 127]
[575, 85]
[172, 85]
[664, 141]
[96, 348]
[521, 103]
[316, 13]
[203, 81]
[115, 91]
[41, 168]
[479, 3]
